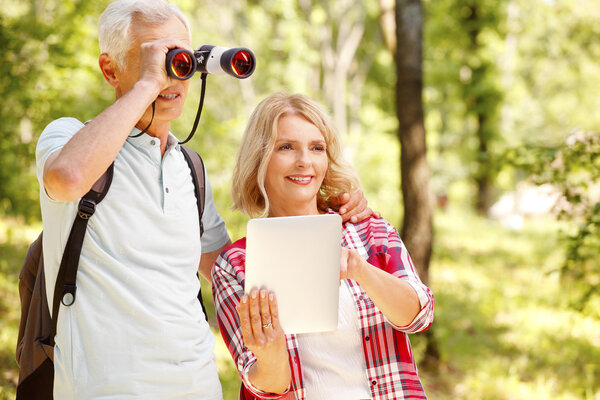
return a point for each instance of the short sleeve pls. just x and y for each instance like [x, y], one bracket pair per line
[53, 138]
[215, 232]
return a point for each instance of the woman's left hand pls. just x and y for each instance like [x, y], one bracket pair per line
[394, 297]
[351, 265]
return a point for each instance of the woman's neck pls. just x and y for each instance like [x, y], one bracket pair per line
[290, 210]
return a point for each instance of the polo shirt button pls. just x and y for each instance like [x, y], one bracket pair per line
[153, 142]
[367, 338]
[373, 383]
[167, 190]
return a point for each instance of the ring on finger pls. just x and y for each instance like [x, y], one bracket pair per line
[265, 326]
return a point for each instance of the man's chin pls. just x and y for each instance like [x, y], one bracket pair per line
[167, 114]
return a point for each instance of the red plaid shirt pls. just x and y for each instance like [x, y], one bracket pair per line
[389, 364]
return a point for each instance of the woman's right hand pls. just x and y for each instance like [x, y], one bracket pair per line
[259, 321]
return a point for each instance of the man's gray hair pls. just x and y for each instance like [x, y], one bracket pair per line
[115, 23]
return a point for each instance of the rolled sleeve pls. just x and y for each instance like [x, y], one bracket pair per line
[424, 318]
[252, 389]
[400, 264]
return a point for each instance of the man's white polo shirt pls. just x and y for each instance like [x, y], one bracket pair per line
[136, 329]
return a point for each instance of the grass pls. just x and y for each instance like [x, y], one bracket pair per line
[502, 324]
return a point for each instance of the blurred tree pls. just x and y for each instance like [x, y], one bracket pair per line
[340, 31]
[464, 40]
[481, 91]
[574, 168]
[417, 222]
[417, 226]
[556, 74]
[45, 69]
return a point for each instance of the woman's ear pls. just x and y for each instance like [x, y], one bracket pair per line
[109, 69]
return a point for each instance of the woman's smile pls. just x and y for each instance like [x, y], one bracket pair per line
[300, 180]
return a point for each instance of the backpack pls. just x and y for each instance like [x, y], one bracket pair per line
[35, 342]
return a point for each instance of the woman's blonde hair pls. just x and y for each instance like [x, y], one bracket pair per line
[248, 192]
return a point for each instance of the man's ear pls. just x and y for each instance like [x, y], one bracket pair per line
[109, 69]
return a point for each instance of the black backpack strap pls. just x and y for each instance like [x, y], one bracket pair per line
[197, 170]
[66, 288]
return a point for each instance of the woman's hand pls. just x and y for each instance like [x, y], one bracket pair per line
[394, 297]
[351, 265]
[259, 321]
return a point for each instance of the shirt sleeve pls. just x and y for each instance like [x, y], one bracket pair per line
[215, 232]
[399, 263]
[228, 288]
[53, 138]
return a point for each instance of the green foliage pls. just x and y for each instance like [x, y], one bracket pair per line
[503, 329]
[45, 70]
[581, 270]
[556, 68]
[573, 168]
[463, 94]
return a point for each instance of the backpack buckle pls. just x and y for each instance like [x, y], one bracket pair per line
[86, 208]
[68, 296]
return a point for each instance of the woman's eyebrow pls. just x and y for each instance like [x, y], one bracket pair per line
[320, 141]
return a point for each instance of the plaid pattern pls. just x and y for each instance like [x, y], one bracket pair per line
[390, 366]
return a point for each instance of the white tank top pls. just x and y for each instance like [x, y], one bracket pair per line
[333, 363]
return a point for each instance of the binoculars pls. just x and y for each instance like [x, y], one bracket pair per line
[238, 62]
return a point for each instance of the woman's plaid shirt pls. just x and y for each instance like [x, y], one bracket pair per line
[390, 367]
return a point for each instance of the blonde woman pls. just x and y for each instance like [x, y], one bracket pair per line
[290, 163]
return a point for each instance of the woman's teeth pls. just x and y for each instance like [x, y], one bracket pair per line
[299, 179]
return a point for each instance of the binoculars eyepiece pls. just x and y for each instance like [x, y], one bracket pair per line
[238, 62]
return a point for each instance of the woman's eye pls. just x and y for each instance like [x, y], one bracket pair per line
[319, 148]
[285, 147]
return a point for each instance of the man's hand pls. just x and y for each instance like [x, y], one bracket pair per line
[153, 58]
[353, 206]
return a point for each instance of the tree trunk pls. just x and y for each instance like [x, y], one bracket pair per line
[417, 226]
[483, 104]
[483, 174]
[417, 230]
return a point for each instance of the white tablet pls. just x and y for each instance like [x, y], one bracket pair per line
[298, 259]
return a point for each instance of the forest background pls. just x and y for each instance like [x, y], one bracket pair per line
[510, 97]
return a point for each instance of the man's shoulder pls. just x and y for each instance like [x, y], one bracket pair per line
[65, 122]
[65, 126]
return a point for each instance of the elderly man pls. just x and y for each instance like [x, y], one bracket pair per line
[136, 329]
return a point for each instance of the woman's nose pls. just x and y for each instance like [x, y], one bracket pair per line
[303, 159]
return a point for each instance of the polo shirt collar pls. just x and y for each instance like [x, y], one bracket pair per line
[146, 141]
